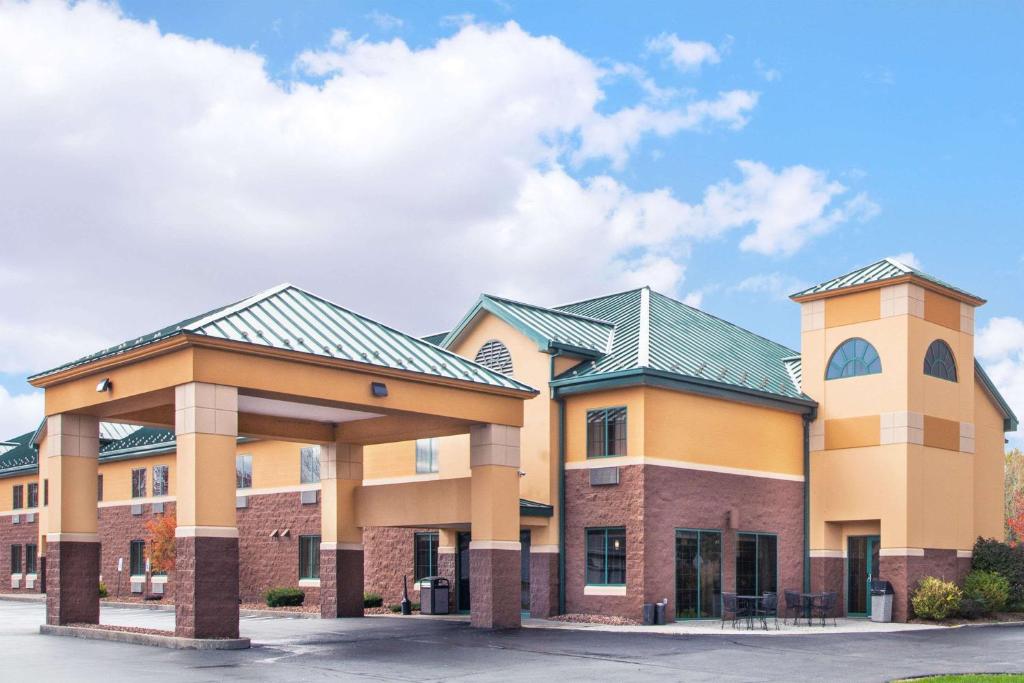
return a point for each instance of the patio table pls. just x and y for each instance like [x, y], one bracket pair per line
[808, 602]
[750, 604]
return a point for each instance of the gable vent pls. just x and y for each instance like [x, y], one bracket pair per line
[495, 356]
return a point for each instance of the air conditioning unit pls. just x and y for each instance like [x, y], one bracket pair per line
[157, 507]
[241, 502]
[30, 517]
[604, 476]
[308, 497]
[15, 519]
[15, 581]
[136, 509]
[157, 588]
[137, 586]
[30, 581]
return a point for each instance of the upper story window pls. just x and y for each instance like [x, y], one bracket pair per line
[33, 495]
[139, 482]
[939, 362]
[495, 356]
[853, 358]
[243, 471]
[606, 432]
[309, 465]
[18, 500]
[161, 473]
[426, 456]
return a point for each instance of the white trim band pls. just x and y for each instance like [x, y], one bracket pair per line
[206, 532]
[831, 554]
[59, 537]
[331, 545]
[309, 583]
[445, 550]
[158, 579]
[901, 552]
[495, 545]
[20, 511]
[604, 590]
[135, 501]
[964, 554]
[544, 549]
[625, 460]
[410, 479]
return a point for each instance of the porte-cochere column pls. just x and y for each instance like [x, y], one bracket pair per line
[206, 562]
[341, 541]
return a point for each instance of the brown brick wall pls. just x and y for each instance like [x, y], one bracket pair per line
[16, 534]
[389, 555]
[73, 591]
[118, 527]
[904, 573]
[206, 587]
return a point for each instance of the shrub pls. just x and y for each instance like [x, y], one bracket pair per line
[103, 590]
[284, 597]
[971, 608]
[372, 600]
[990, 589]
[936, 599]
[396, 608]
[991, 555]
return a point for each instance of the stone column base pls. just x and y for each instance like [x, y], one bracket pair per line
[904, 571]
[206, 587]
[494, 583]
[74, 595]
[543, 585]
[41, 579]
[341, 583]
[446, 568]
[828, 574]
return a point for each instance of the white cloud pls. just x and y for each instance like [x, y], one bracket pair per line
[19, 413]
[694, 299]
[766, 72]
[908, 258]
[686, 55]
[1000, 347]
[775, 285]
[385, 21]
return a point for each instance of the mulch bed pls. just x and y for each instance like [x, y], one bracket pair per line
[595, 619]
[263, 606]
[996, 618]
[125, 629]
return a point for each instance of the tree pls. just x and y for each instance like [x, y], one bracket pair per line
[1013, 496]
[160, 542]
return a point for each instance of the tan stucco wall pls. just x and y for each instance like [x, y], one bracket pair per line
[989, 467]
[576, 407]
[7, 491]
[117, 476]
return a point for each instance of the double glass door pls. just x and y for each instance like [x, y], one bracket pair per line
[698, 574]
[862, 567]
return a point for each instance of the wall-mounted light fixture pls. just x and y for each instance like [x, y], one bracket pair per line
[379, 389]
[104, 385]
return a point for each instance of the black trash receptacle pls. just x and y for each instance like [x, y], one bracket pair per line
[659, 610]
[434, 592]
[649, 614]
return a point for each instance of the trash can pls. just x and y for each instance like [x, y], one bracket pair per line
[434, 595]
[659, 611]
[881, 601]
[649, 614]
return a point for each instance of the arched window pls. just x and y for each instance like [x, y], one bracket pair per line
[495, 356]
[938, 361]
[853, 357]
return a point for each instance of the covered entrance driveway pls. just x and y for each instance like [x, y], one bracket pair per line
[282, 365]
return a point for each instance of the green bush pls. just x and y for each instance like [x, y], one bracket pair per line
[284, 597]
[396, 608]
[372, 600]
[103, 590]
[971, 608]
[990, 589]
[936, 599]
[991, 555]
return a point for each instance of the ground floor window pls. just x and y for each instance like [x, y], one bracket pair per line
[698, 574]
[426, 555]
[606, 556]
[309, 557]
[15, 559]
[137, 558]
[30, 558]
[756, 564]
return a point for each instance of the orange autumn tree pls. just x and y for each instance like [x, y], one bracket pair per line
[160, 542]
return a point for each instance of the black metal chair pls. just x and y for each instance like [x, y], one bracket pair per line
[769, 609]
[731, 610]
[825, 607]
[794, 605]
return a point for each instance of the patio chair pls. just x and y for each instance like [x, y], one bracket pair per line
[794, 605]
[769, 609]
[825, 607]
[731, 610]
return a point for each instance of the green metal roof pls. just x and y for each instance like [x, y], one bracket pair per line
[18, 456]
[1010, 422]
[879, 271]
[289, 318]
[550, 329]
[143, 440]
[435, 339]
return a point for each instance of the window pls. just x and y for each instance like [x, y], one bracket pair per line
[30, 558]
[606, 432]
[243, 471]
[160, 475]
[137, 558]
[46, 492]
[606, 557]
[426, 555]
[309, 465]
[19, 497]
[309, 557]
[15, 559]
[33, 495]
[756, 564]
[939, 362]
[495, 356]
[99, 487]
[426, 456]
[853, 358]
[139, 482]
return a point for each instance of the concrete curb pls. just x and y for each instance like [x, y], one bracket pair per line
[173, 642]
[15, 597]
[164, 607]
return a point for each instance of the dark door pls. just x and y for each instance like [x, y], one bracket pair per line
[462, 572]
[524, 571]
[862, 566]
[698, 574]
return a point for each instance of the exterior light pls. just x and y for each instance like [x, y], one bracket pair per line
[379, 389]
[104, 385]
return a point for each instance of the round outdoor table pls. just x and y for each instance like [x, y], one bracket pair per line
[808, 602]
[750, 605]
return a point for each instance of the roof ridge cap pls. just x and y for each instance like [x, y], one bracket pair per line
[894, 262]
[643, 351]
[603, 296]
[231, 309]
[556, 311]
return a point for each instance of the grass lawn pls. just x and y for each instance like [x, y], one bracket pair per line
[968, 678]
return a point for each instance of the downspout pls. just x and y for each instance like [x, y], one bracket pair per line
[561, 491]
[807, 502]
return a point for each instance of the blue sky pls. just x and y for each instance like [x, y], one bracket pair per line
[906, 119]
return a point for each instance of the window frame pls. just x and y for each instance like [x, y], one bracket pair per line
[309, 552]
[432, 464]
[605, 440]
[303, 452]
[99, 488]
[839, 347]
[31, 557]
[605, 530]
[240, 459]
[46, 492]
[18, 497]
[166, 488]
[944, 345]
[433, 539]
[32, 495]
[132, 545]
[16, 562]
[138, 482]
[758, 535]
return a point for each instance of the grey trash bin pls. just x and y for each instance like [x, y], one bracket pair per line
[881, 601]
[649, 614]
[434, 592]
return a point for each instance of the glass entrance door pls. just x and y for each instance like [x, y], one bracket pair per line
[698, 574]
[462, 572]
[862, 567]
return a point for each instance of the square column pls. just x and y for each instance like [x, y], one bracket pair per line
[341, 541]
[494, 551]
[73, 545]
[206, 544]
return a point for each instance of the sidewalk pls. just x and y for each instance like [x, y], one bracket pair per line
[711, 627]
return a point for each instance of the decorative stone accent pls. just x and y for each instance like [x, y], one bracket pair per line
[901, 426]
[817, 435]
[341, 583]
[902, 299]
[828, 574]
[812, 316]
[73, 596]
[966, 318]
[543, 585]
[206, 587]
[966, 437]
[493, 444]
[494, 581]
